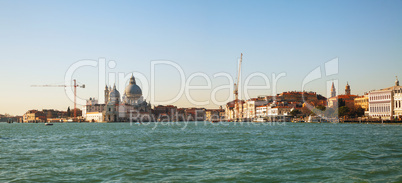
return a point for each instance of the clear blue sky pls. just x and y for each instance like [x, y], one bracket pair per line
[39, 40]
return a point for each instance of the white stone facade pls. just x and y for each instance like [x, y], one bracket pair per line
[249, 107]
[261, 111]
[94, 117]
[380, 104]
[398, 102]
[386, 103]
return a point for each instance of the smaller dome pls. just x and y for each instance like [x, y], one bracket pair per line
[114, 95]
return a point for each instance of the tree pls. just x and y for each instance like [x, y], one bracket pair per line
[68, 112]
[319, 110]
[305, 111]
[356, 112]
[360, 111]
[343, 111]
[341, 103]
[295, 112]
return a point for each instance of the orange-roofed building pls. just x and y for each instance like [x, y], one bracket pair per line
[348, 98]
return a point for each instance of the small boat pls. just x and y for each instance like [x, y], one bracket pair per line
[259, 120]
[314, 119]
[48, 124]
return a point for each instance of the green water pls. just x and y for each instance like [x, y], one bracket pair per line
[199, 152]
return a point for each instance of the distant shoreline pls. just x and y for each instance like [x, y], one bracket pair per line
[344, 122]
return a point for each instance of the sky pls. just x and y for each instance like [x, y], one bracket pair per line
[40, 41]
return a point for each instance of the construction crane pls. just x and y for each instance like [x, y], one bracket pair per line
[236, 91]
[75, 93]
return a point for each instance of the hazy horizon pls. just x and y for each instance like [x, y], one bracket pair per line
[41, 40]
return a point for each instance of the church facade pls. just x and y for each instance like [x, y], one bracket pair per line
[129, 107]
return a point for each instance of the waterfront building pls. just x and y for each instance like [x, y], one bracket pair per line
[93, 107]
[168, 111]
[249, 107]
[112, 106]
[299, 97]
[33, 116]
[261, 111]
[279, 111]
[348, 98]
[195, 114]
[386, 103]
[94, 117]
[397, 100]
[8, 118]
[362, 101]
[181, 114]
[214, 114]
[230, 110]
[51, 113]
[131, 106]
[57, 116]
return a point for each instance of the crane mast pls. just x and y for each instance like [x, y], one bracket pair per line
[75, 93]
[236, 92]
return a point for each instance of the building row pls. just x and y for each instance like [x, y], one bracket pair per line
[386, 103]
[130, 107]
[48, 115]
[271, 106]
[381, 104]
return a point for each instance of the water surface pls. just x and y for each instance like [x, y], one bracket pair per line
[94, 152]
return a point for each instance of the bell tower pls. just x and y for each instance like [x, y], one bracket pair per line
[106, 94]
[333, 91]
[347, 89]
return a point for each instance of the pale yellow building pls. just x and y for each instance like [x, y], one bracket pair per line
[362, 102]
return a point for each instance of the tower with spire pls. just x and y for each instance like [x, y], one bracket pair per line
[347, 89]
[106, 94]
[333, 91]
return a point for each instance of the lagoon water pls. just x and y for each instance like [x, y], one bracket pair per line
[200, 152]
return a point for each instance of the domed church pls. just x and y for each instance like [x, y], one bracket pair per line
[131, 106]
[132, 93]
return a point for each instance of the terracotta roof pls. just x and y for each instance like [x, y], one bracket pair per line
[282, 107]
[344, 97]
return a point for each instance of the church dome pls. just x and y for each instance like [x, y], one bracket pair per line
[114, 95]
[133, 91]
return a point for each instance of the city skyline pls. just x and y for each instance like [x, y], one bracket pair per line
[200, 36]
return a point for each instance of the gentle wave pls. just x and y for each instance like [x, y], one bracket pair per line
[121, 152]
